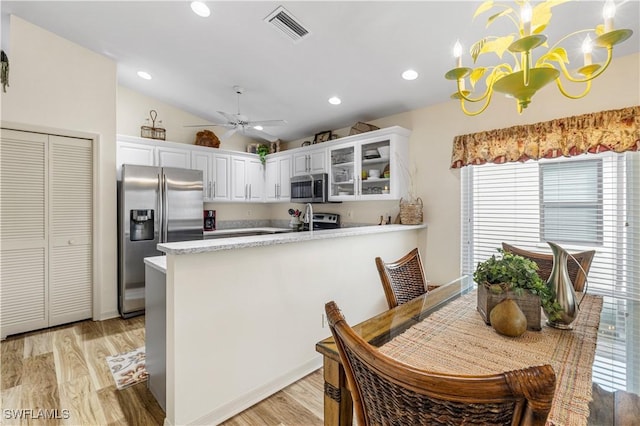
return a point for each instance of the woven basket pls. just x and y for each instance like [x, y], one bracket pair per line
[411, 213]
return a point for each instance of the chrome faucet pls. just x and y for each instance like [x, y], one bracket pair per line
[308, 216]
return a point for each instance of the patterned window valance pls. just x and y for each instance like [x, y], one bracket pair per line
[615, 130]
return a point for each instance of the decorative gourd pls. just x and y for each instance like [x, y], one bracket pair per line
[508, 319]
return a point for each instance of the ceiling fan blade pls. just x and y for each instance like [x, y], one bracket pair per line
[259, 134]
[267, 123]
[229, 117]
[228, 134]
[209, 125]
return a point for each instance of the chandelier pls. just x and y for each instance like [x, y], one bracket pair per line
[522, 79]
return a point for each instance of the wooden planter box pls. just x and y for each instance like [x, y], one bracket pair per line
[528, 303]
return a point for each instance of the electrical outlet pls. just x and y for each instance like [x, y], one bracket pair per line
[324, 323]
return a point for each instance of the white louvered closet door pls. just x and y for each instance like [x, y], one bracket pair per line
[70, 221]
[23, 232]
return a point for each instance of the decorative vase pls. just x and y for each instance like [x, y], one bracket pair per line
[562, 288]
[295, 223]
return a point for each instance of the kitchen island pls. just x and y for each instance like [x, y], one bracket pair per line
[243, 314]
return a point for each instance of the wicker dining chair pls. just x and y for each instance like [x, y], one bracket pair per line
[545, 263]
[403, 279]
[386, 391]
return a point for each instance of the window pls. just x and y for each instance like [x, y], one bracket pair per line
[590, 202]
[571, 202]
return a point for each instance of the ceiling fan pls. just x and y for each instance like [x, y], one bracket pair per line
[238, 122]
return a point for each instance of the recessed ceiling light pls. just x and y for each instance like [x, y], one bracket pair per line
[334, 100]
[258, 127]
[144, 74]
[410, 75]
[200, 9]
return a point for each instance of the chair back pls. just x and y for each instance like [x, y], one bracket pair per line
[403, 279]
[545, 264]
[385, 391]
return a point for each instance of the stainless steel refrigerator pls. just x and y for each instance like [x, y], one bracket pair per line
[155, 205]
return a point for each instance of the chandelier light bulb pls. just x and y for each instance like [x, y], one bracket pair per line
[587, 48]
[334, 100]
[526, 14]
[457, 53]
[258, 127]
[608, 12]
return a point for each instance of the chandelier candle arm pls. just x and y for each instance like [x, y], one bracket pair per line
[581, 95]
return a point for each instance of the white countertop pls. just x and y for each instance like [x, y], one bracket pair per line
[203, 246]
[157, 262]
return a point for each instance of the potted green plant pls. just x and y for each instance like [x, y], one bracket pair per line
[262, 152]
[513, 276]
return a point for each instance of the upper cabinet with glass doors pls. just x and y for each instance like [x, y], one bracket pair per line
[372, 166]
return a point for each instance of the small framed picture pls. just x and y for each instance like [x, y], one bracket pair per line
[322, 137]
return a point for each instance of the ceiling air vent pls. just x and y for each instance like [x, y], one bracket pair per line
[284, 21]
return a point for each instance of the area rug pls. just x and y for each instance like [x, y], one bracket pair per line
[128, 368]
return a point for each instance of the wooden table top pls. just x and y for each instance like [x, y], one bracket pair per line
[382, 328]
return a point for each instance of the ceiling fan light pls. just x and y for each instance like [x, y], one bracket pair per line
[334, 100]
[258, 127]
[410, 75]
[200, 9]
[144, 75]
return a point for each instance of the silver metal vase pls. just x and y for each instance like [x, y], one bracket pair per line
[562, 287]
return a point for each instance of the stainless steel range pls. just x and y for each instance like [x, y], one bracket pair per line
[324, 221]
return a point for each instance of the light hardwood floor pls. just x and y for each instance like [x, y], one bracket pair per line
[64, 368]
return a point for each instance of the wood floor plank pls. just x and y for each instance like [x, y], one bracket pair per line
[123, 342]
[11, 362]
[40, 371]
[45, 401]
[95, 353]
[279, 408]
[37, 343]
[81, 399]
[134, 408]
[90, 330]
[309, 392]
[11, 400]
[110, 406]
[69, 357]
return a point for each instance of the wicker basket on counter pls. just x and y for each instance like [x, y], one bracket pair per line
[411, 212]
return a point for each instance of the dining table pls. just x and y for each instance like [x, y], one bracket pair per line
[441, 331]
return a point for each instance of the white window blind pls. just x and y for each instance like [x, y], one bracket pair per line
[590, 202]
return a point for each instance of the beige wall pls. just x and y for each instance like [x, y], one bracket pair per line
[55, 84]
[133, 108]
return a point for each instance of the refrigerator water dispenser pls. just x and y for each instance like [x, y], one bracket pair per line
[141, 225]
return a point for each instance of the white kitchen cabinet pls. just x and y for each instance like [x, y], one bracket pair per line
[247, 179]
[373, 166]
[309, 161]
[46, 266]
[278, 179]
[143, 152]
[134, 153]
[215, 174]
[173, 157]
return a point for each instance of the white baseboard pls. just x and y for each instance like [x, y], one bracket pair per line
[238, 405]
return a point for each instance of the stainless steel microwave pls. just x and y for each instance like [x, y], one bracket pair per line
[309, 188]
